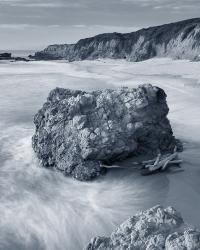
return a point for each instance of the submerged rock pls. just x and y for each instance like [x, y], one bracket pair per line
[154, 229]
[77, 131]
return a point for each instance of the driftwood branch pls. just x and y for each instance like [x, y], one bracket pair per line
[162, 161]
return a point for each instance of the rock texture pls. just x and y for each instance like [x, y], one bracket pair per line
[180, 40]
[77, 131]
[154, 229]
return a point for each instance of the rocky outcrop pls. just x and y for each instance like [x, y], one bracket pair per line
[78, 131]
[5, 56]
[8, 56]
[180, 40]
[54, 52]
[154, 229]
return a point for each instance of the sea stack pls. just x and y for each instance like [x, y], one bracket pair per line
[77, 131]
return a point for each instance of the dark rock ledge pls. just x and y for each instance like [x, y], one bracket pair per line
[8, 56]
[77, 132]
[154, 229]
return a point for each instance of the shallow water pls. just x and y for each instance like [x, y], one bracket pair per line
[42, 209]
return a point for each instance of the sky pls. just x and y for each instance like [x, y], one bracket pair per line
[34, 24]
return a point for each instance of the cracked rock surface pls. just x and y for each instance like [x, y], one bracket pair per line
[77, 131]
[154, 229]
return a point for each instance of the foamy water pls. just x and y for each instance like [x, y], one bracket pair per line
[42, 209]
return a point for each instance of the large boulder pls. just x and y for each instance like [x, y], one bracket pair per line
[154, 229]
[77, 131]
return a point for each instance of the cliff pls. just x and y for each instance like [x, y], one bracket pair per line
[77, 131]
[180, 40]
[154, 229]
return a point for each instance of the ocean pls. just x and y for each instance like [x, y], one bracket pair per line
[41, 209]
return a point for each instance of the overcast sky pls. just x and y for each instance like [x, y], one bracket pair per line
[33, 24]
